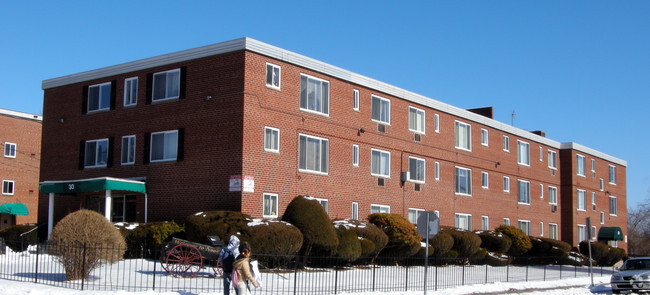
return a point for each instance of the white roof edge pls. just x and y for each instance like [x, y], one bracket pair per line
[590, 151]
[96, 178]
[21, 115]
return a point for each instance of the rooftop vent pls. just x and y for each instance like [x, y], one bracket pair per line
[539, 132]
[485, 112]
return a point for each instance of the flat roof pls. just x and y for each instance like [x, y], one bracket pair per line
[21, 115]
[318, 66]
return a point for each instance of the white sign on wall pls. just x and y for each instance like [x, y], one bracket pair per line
[237, 182]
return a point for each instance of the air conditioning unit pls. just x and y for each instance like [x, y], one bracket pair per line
[381, 182]
[381, 128]
[405, 176]
[417, 138]
[553, 208]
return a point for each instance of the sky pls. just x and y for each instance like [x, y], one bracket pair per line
[578, 70]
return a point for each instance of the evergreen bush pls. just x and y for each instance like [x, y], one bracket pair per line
[497, 259]
[547, 251]
[601, 253]
[466, 243]
[520, 241]
[317, 230]
[615, 255]
[495, 242]
[479, 256]
[403, 237]
[274, 242]
[441, 243]
[349, 248]
[145, 239]
[14, 240]
[574, 258]
[372, 239]
[214, 223]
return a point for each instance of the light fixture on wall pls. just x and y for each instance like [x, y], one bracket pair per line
[61, 120]
[207, 97]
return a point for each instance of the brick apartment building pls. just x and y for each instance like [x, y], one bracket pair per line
[243, 125]
[20, 134]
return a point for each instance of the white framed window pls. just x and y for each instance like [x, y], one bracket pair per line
[437, 213]
[541, 154]
[10, 150]
[485, 223]
[314, 95]
[355, 210]
[164, 146]
[463, 181]
[379, 163]
[380, 109]
[613, 244]
[612, 174]
[313, 154]
[582, 199]
[594, 232]
[355, 155]
[273, 76]
[552, 159]
[602, 185]
[463, 134]
[436, 123]
[128, 150]
[130, 91]
[580, 165]
[552, 231]
[325, 203]
[379, 209]
[524, 225]
[552, 195]
[541, 229]
[484, 180]
[96, 153]
[506, 184]
[463, 221]
[271, 139]
[270, 204]
[593, 167]
[582, 233]
[99, 97]
[506, 221]
[602, 217]
[541, 191]
[416, 120]
[523, 193]
[8, 187]
[436, 167]
[612, 205]
[355, 100]
[414, 214]
[506, 143]
[593, 200]
[417, 168]
[523, 153]
[166, 85]
[484, 137]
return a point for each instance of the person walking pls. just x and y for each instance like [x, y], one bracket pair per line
[227, 258]
[242, 269]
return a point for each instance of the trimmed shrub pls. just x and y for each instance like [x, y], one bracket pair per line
[373, 239]
[18, 243]
[497, 259]
[602, 254]
[465, 242]
[274, 242]
[479, 256]
[614, 256]
[520, 241]
[317, 230]
[547, 251]
[144, 240]
[423, 251]
[495, 242]
[367, 248]
[214, 223]
[442, 242]
[80, 242]
[403, 238]
[574, 258]
[349, 248]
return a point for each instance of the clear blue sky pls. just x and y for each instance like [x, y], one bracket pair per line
[579, 70]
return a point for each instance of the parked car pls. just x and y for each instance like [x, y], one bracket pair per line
[634, 275]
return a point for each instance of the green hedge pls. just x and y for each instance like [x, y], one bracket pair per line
[520, 241]
[220, 223]
[349, 248]
[602, 254]
[495, 242]
[18, 243]
[144, 240]
[547, 251]
[497, 259]
[373, 239]
[274, 243]
[403, 237]
[441, 243]
[574, 258]
[319, 235]
[466, 243]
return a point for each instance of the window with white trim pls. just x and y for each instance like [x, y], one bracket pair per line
[484, 137]
[593, 200]
[541, 154]
[416, 120]
[436, 123]
[506, 221]
[594, 233]
[273, 75]
[612, 174]
[314, 95]
[485, 223]
[593, 167]
[8, 187]
[355, 155]
[552, 231]
[463, 181]
[523, 153]
[612, 205]
[552, 159]
[613, 244]
[414, 214]
[166, 85]
[463, 221]
[506, 143]
[164, 146]
[602, 185]
[582, 199]
[436, 167]
[602, 217]
[523, 193]
[580, 165]
[271, 139]
[463, 134]
[313, 154]
[541, 229]
[99, 97]
[128, 150]
[10, 150]
[270, 204]
[541, 191]
[130, 91]
[324, 203]
[355, 99]
[355, 210]
[506, 184]
[524, 225]
[379, 163]
[484, 180]
[582, 233]
[417, 168]
[96, 153]
[380, 109]
[379, 209]
[552, 195]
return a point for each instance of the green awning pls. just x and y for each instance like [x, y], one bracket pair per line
[92, 185]
[613, 233]
[14, 209]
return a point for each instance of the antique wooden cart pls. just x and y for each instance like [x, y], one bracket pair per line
[182, 258]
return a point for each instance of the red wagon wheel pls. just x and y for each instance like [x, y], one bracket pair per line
[216, 268]
[184, 260]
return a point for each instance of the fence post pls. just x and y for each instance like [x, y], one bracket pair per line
[295, 276]
[560, 271]
[486, 271]
[36, 270]
[336, 278]
[463, 276]
[83, 267]
[508, 272]
[575, 271]
[435, 287]
[406, 282]
[374, 267]
[156, 260]
[545, 272]
[527, 263]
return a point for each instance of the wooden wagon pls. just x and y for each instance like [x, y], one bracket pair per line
[182, 258]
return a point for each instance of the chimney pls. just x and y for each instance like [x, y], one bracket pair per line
[539, 132]
[484, 111]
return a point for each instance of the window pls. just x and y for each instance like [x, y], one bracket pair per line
[414, 214]
[582, 233]
[324, 203]
[552, 231]
[612, 174]
[96, 153]
[613, 244]
[506, 143]
[416, 120]
[612, 205]
[541, 191]
[270, 205]
[593, 200]
[541, 229]
[552, 195]
[506, 221]
[463, 221]
[541, 154]
[10, 150]
[463, 181]
[313, 154]
[582, 199]
[99, 97]
[580, 165]
[484, 179]
[602, 217]
[314, 95]
[380, 163]
[164, 146]
[523, 192]
[484, 137]
[131, 91]
[355, 210]
[594, 233]
[128, 150]
[463, 134]
[593, 167]
[272, 76]
[380, 109]
[436, 167]
[524, 225]
[523, 153]
[166, 85]
[602, 185]
[417, 169]
[485, 223]
[355, 155]
[379, 209]
[355, 100]
[271, 139]
[8, 187]
[506, 184]
[552, 159]
[436, 122]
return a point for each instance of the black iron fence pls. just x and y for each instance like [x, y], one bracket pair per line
[324, 275]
